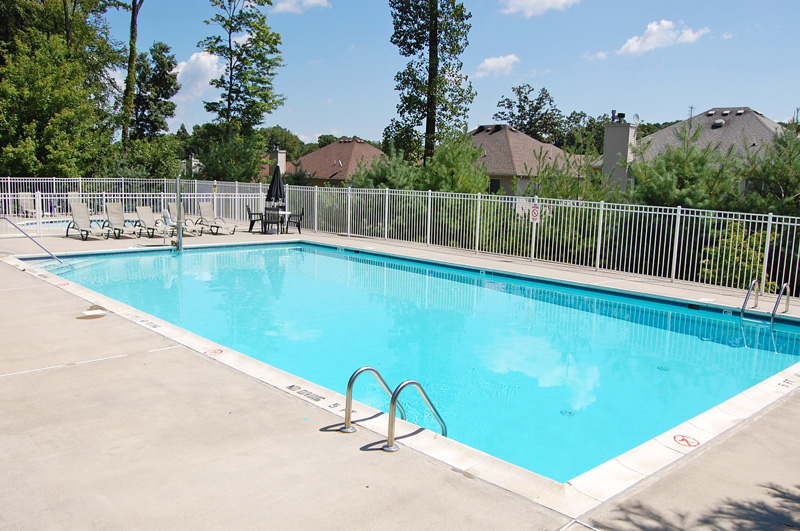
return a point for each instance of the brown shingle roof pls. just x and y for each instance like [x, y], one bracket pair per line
[338, 161]
[510, 152]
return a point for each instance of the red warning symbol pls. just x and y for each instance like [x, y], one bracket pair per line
[213, 352]
[684, 440]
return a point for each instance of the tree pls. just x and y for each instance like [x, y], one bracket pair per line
[283, 139]
[156, 84]
[537, 117]
[324, 140]
[49, 122]
[687, 175]
[390, 171]
[130, 78]
[432, 88]
[251, 54]
[454, 168]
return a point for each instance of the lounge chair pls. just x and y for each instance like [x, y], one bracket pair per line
[187, 219]
[148, 223]
[213, 223]
[191, 230]
[115, 220]
[27, 205]
[296, 220]
[253, 217]
[83, 224]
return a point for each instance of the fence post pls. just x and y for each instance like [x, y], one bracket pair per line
[478, 225]
[599, 236]
[104, 201]
[316, 207]
[675, 244]
[533, 230]
[349, 208]
[766, 255]
[430, 202]
[38, 207]
[386, 217]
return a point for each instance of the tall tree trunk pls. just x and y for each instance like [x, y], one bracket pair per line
[130, 79]
[433, 75]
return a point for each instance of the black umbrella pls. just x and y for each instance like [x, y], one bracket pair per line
[277, 191]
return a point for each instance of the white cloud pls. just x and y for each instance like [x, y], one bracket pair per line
[659, 35]
[118, 76]
[531, 8]
[497, 66]
[194, 75]
[298, 6]
[597, 55]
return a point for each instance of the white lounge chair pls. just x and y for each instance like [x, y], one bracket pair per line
[173, 212]
[115, 220]
[191, 230]
[83, 223]
[27, 205]
[213, 223]
[148, 224]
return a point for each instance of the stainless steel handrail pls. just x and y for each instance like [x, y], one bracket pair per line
[348, 428]
[749, 291]
[390, 445]
[31, 239]
[785, 288]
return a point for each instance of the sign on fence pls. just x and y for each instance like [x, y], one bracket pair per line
[535, 213]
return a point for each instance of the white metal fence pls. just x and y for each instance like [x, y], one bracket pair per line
[717, 248]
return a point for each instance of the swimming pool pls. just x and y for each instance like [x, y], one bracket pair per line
[547, 376]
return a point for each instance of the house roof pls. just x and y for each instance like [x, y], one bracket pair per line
[507, 151]
[740, 127]
[339, 160]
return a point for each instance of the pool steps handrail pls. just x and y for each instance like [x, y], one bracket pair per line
[348, 427]
[31, 238]
[784, 288]
[753, 284]
[390, 445]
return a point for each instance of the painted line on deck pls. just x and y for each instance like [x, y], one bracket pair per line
[69, 364]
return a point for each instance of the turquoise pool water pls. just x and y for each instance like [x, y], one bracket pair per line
[550, 377]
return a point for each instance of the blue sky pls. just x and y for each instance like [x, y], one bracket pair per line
[654, 58]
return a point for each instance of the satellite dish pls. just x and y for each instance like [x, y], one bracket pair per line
[635, 119]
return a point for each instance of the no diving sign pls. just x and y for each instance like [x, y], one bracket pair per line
[535, 213]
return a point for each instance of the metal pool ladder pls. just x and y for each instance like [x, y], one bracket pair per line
[753, 284]
[784, 288]
[390, 445]
[348, 427]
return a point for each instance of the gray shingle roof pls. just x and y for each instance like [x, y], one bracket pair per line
[740, 127]
[510, 152]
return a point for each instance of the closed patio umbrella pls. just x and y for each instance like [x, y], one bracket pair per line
[277, 191]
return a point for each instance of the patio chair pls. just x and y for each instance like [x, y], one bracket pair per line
[253, 217]
[296, 220]
[83, 224]
[27, 205]
[115, 220]
[196, 230]
[187, 219]
[148, 223]
[272, 216]
[213, 223]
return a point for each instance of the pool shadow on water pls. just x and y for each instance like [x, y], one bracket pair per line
[781, 512]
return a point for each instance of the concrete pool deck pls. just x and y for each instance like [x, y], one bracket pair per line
[109, 424]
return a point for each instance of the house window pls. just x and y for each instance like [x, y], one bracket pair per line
[494, 186]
